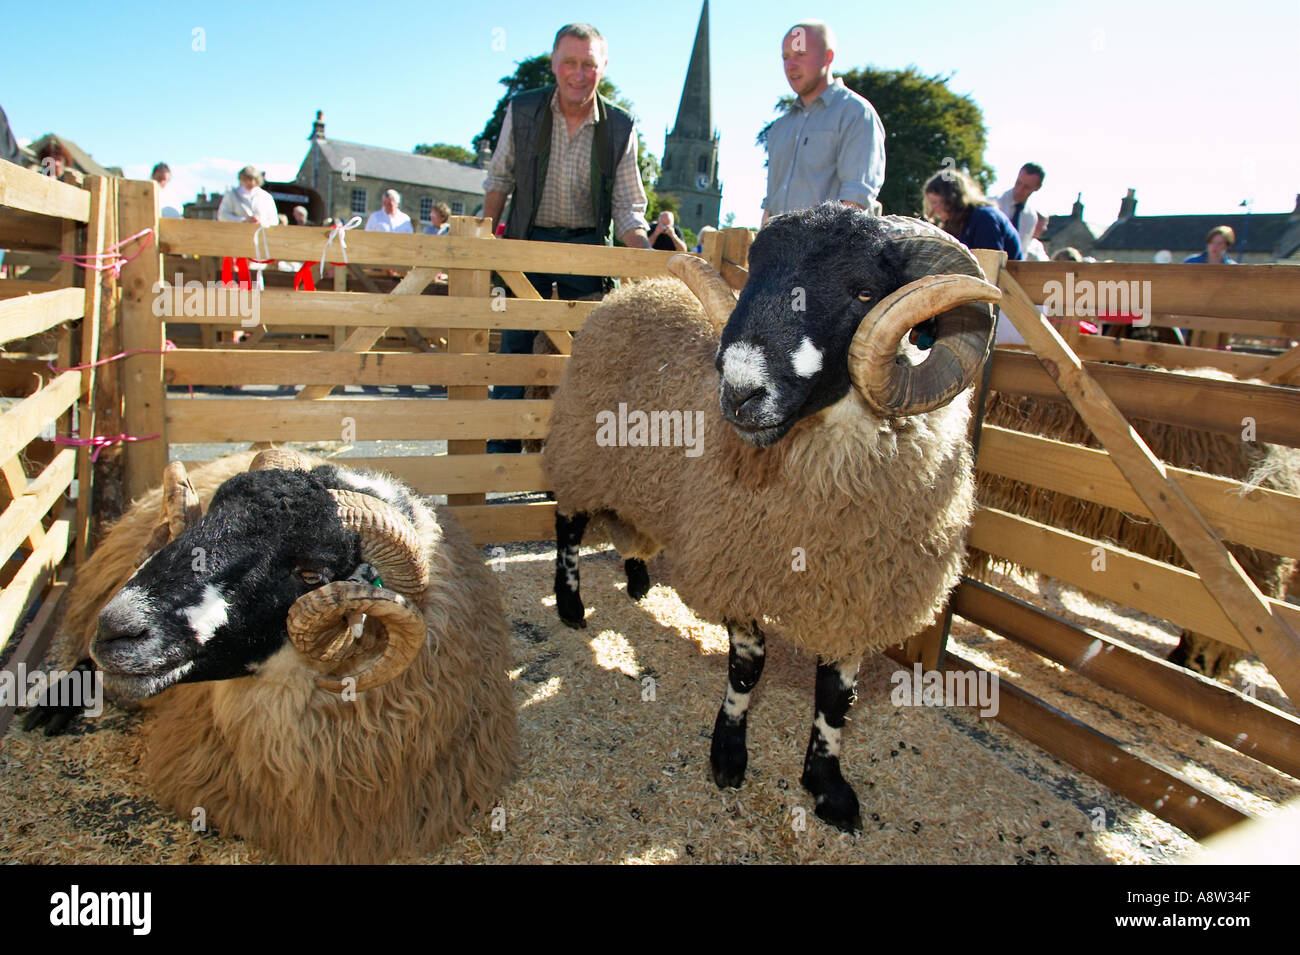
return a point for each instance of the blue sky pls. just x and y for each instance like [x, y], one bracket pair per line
[1194, 104]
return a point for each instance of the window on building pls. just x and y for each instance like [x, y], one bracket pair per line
[426, 208]
[704, 164]
[458, 208]
[667, 164]
[358, 202]
[699, 208]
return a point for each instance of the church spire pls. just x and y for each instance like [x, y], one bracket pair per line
[694, 116]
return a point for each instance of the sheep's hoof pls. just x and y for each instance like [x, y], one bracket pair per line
[835, 802]
[728, 755]
[55, 718]
[568, 604]
[638, 578]
[578, 622]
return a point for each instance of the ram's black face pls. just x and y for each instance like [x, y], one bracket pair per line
[813, 276]
[211, 605]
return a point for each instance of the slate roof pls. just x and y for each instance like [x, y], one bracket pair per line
[1187, 233]
[81, 159]
[396, 166]
[1058, 224]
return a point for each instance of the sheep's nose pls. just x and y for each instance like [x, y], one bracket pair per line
[743, 405]
[121, 619]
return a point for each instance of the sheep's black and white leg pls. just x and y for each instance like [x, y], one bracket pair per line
[745, 659]
[638, 578]
[568, 598]
[834, 798]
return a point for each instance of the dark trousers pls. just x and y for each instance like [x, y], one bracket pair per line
[568, 287]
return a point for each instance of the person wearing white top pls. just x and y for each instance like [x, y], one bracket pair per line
[169, 203]
[1036, 251]
[248, 202]
[1014, 203]
[390, 218]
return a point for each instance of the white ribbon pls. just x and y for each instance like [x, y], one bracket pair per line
[260, 234]
[339, 232]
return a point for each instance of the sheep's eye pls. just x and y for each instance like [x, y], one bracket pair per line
[864, 296]
[310, 577]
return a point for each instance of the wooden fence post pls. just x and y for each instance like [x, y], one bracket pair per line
[143, 390]
[96, 230]
[462, 341]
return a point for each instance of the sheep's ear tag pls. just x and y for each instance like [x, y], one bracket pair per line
[378, 582]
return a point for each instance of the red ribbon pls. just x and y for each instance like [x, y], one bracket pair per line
[303, 280]
[228, 265]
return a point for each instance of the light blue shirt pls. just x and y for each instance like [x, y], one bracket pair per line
[832, 149]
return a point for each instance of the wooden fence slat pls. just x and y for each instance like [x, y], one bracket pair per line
[363, 339]
[36, 640]
[1186, 400]
[16, 288]
[239, 420]
[1237, 364]
[523, 289]
[454, 473]
[1261, 518]
[1269, 636]
[197, 366]
[30, 191]
[23, 423]
[1131, 580]
[29, 231]
[1207, 290]
[13, 485]
[325, 310]
[445, 252]
[142, 374]
[1159, 791]
[475, 285]
[37, 571]
[1248, 726]
[96, 241]
[1282, 367]
[33, 314]
[503, 523]
[23, 514]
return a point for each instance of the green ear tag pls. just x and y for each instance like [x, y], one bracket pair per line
[378, 582]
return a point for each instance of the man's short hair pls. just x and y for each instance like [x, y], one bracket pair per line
[161, 167]
[1034, 170]
[443, 209]
[820, 29]
[250, 172]
[581, 31]
[397, 196]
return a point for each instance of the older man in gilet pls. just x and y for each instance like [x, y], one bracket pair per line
[568, 155]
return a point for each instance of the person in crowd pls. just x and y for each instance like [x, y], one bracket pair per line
[390, 218]
[299, 216]
[1036, 251]
[1217, 242]
[665, 236]
[831, 144]
[248, 202]
[1014, 203]
[438, 217]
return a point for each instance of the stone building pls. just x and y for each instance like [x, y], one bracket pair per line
[1069, 231]
[351, 178]
[690, 166]
[1262, 238]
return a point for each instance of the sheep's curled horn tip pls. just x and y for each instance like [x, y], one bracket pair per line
[886, 385]
[327, 624]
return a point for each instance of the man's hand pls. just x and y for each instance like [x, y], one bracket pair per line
[493, 203]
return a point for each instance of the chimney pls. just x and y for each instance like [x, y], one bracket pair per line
[1077, 211]
[484, 154]
[318, 127]
[1128, 205]
[1295, 213]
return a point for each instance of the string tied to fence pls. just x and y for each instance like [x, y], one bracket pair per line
[168, 345]
[338, 231]
[101, 441]
[110, 260]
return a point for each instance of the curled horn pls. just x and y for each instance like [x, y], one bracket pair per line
[708, 286]
[282, 459]
[947, 283]
[318, 625]
[388, 540]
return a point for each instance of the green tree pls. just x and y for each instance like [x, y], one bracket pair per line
[927, 127]
[446, 151]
